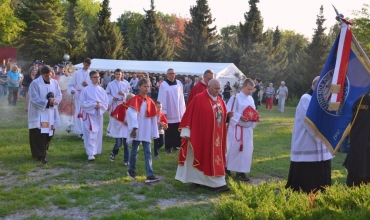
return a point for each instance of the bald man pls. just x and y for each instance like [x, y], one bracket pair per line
[310, 166]
[203, 130]
[201, 86]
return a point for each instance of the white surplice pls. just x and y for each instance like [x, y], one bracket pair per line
[173, 102]
[147, 128]
[306, 146]
[236, 160]
[75, 84]
[189, 174]
[93, 118]
[112, 91]
[37, 111]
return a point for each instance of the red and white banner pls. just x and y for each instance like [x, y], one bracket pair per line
[340, 70]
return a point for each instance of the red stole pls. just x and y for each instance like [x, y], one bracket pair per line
[137, 101]
[198, 88]
[207, 135]
[120, 112]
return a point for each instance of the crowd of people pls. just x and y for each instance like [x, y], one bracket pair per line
[212, 135]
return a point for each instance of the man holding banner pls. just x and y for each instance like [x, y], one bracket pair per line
[310, 166]
[344, 78]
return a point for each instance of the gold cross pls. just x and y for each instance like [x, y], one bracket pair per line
[218, 160]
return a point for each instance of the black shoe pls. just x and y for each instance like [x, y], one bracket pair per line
[131, 174]
[44, 161]
[228, 173]
[223, 188]
[151, 179]
[242, 176]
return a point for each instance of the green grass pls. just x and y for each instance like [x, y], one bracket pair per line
[70, 186]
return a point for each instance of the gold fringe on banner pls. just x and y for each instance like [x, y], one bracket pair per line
[335, 88]
[333, 106]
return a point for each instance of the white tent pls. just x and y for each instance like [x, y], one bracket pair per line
[223, 71]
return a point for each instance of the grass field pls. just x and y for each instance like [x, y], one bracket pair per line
[70, 187]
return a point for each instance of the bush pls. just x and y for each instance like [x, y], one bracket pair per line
[272, 201]
[293, 101]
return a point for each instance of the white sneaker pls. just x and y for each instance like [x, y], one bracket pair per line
[91, 157]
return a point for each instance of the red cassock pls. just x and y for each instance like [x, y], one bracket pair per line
[198, 88]
[207, 134]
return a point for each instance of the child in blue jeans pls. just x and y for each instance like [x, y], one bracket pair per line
[119, 131]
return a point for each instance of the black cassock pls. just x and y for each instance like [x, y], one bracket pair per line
[357, 161]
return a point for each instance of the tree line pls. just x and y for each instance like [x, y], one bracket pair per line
[45, 30]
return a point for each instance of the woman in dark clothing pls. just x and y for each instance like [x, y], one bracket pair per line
[26, 83]
[227, 92]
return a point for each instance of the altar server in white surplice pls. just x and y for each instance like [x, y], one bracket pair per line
[43, 115]
[80, 80]
[117, 91]
[240, 133]
[171, 95]
[94, 102]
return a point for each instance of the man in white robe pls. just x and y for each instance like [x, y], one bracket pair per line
[310, 166]
[94, 102]
[80, 79]
[171, 95]
[240, 133]
[43, 116]
[117, 91]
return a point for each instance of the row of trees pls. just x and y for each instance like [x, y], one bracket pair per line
[47, 29]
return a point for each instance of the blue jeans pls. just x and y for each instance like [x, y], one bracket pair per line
[126, 149]
[3, 90]
[147, 153]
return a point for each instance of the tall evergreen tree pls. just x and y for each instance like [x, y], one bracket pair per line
[76, 36]
[42, 36]
[152, 42]
[251, 30]
[10, 25]
[317, 50]
[199, 42]
[107, 42]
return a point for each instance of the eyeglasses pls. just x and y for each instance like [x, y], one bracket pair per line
[95, 77]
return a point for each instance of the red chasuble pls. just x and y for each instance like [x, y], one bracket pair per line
[207, 134]
[198, 88]
[120, 112]
[136, 101]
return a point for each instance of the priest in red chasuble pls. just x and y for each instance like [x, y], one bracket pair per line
[203, 131]
[201, 86]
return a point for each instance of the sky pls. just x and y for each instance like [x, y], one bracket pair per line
[297, 15]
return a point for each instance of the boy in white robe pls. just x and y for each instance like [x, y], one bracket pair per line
[117, 91]
[240, 133]
[43, 115]
[119, 131]
[94, 102]
[80, 79]
[141, 119]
